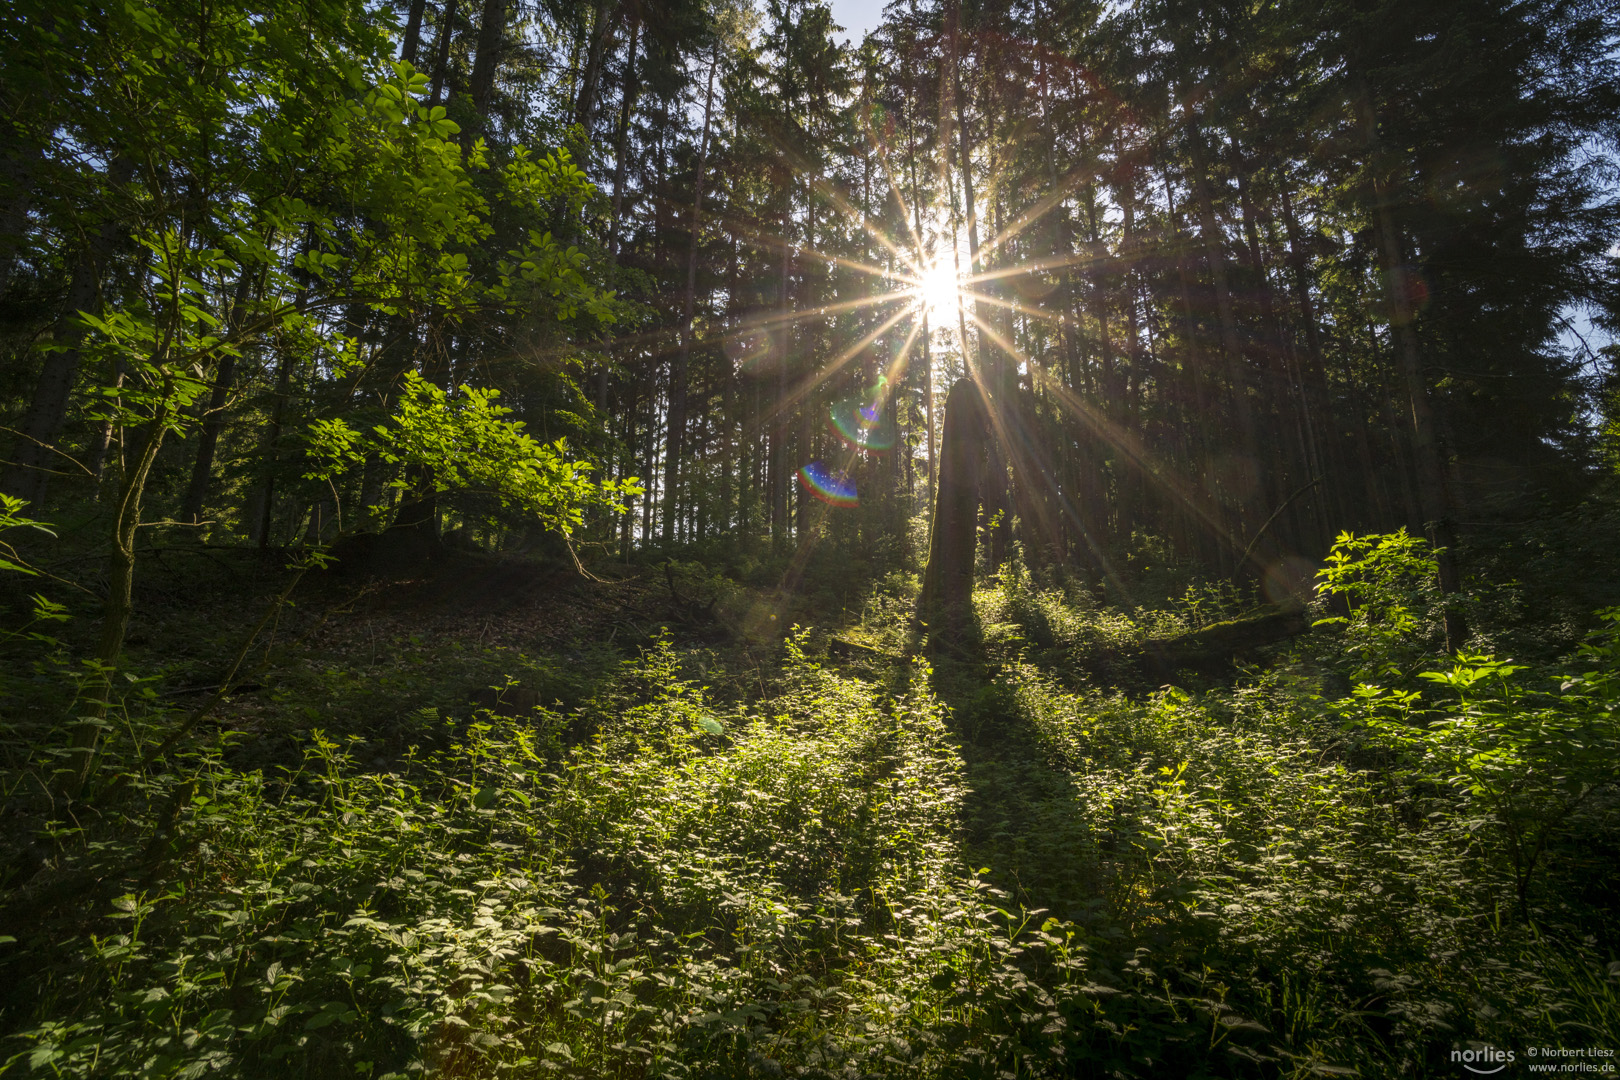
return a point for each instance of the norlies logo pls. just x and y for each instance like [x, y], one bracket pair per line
[1484, 1061]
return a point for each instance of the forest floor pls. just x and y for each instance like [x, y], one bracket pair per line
[688, 822]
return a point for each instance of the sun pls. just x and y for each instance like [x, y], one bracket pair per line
[938, 289]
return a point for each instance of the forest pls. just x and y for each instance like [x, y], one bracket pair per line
[664, 539]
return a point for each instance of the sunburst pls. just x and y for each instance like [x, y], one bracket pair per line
[938, 290]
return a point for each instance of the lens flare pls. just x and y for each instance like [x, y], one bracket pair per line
[832, 488]
[860, 421]
[751, 349]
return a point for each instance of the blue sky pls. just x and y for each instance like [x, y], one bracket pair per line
[857, 17]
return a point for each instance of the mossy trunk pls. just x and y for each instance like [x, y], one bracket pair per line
[948, 581]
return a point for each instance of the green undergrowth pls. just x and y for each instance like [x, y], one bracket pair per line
[993, 867]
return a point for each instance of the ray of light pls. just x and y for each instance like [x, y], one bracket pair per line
[899, 196]
[772, 241]
[805, 386]
[1048, 262]
[1037, 210]
[775, 319]
[1035, 313]
[1030, 459]
[836, 197]
[1126, 442]
[897, 366]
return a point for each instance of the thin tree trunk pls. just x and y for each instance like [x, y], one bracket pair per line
[678, 377]
[191, 507]
[779, 471]
[1231, 346]
[34, 454]
[441, 61]
[413, 32]
[1426, 458]
[1318, 399]
[18, 163]
[627, 106]
[120, 594]
[927, 335]
[602, 34]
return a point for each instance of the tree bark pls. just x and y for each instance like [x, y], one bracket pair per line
[602, 33]
[947, 592]
[1231, 346]
[413, 33]
[1426, 457]
[683, 355]
[441, 61]
[27, 475]
[491, 26]
[18, 163]
[191, 508]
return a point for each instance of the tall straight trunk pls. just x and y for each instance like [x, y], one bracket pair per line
[481, 85]
[1130, 479]
[947, 590]
[1286, 461]
[621, 143]
[1231, 346]
[726, 450]
[191, 507]
[602, 34]
[627, 524]
[413, 32]
[263, 511]
[1319, 410]
[1426, 458]
[650, 460]
[683, 355]
[34, 453]
[779, 471]
[441, 60]
[19, 160]
[923, 268]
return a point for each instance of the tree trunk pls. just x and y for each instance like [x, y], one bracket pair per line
[1318, 400]
[1426, 458]
[779, 470]
[32, 459]
[441, 61]
[601, 36]
[191, 508]
[947, 592]
[413, 33]
[120, 594]
[1231, 346]
[18, 162]
[621, 148]
[678, 376]
[491, 27]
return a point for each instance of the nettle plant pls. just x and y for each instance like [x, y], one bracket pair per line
[1524, 748]
[1390, 603]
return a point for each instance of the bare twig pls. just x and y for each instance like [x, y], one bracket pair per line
[1274, 516]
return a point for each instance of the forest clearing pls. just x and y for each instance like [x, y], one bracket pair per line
[637, 540]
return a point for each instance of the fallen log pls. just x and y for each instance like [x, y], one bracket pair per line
[1210, 650]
